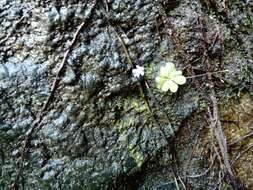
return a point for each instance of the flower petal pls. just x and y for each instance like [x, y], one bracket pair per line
[138, 71]
[179, 79]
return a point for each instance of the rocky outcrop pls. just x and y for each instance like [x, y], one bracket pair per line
[103, 127]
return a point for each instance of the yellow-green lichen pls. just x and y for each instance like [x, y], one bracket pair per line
[136, 155]
[237, 122]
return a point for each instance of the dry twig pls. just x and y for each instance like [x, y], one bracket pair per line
[250, 134]
[241, 153]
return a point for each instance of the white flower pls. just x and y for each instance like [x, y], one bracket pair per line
[139, 71]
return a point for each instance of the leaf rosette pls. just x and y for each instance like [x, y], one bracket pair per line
[169, 78]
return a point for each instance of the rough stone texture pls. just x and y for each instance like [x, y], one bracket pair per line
[98, 129]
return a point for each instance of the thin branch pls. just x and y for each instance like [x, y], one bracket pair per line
[205, 172]
[242, 153]
[241, 139]
[176, 183]
[123, 46]
[62, 67]
[210, 73]
[37, 124]
[182, 182]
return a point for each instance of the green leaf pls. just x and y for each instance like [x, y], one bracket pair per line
[179, 79]
[166, 86]
[175, 73]
[169, 78]
[160, 81]
[167, 69]
[173, 86]
[169, 85]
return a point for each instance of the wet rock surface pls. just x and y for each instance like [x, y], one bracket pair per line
[100, 129]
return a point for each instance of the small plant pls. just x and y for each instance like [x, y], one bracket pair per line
[169, 78]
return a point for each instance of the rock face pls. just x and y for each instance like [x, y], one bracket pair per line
[103, 125]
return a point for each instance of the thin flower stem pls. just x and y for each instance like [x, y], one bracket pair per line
[201, 75]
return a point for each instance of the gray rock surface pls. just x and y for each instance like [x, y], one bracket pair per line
[98, 126]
